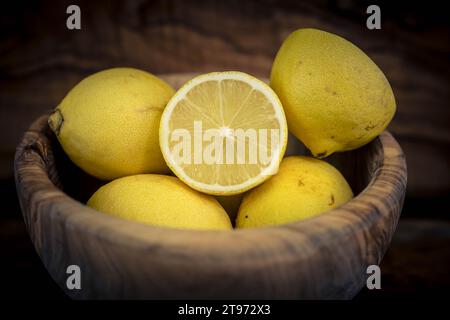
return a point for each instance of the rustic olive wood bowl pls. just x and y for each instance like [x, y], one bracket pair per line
[323, 257]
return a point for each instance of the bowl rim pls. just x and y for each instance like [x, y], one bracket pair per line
[384, 193]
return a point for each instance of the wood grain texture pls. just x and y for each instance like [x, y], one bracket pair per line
[323, 257]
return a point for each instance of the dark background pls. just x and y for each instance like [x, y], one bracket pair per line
[40, 60]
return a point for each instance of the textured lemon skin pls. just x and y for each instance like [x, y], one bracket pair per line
[334, 96]
[304, 187]
[108, 123]
[160, 200]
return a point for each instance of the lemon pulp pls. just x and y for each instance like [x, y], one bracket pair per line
[219, 115]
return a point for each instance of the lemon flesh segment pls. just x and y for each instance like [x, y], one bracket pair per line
[241, 111]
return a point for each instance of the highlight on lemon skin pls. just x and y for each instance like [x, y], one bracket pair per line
[303, 188]
[223, 133]
[160, 200]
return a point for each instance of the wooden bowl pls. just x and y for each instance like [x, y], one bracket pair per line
[322, 257]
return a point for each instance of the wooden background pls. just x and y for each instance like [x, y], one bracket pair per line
[41, 60]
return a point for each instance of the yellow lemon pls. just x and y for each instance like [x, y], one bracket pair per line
[160, 200]
[108, 123]
[223, 133]
[304, 187]
[335, 97]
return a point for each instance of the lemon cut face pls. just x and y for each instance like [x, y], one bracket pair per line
[223, 133]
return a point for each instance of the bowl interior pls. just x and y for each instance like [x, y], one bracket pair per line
[290, 261]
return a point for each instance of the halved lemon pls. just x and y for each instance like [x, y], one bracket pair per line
[223, 133]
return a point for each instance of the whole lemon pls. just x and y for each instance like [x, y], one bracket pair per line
[108, 123]
[159, 200]
[335, 97]
[303, 187]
